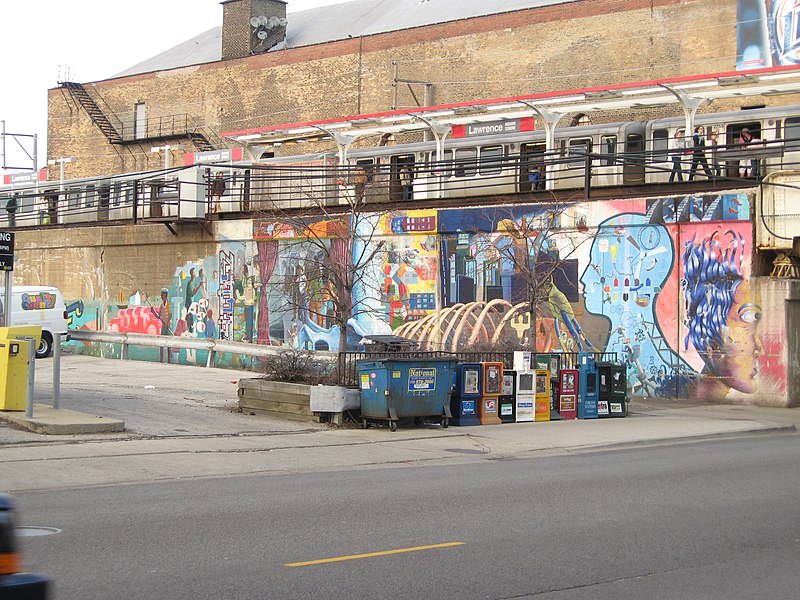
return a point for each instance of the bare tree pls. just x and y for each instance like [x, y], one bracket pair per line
[328, 220]
[540, 243]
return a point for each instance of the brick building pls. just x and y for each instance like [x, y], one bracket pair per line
[360, 57]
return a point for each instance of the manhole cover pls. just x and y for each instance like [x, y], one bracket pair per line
[35, 531]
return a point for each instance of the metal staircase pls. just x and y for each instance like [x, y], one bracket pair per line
[99, 118]
[164, 127]
[200, 141]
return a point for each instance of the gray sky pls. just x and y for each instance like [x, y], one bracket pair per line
[44, 42]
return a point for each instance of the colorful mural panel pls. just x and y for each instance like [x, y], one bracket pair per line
[663, 283]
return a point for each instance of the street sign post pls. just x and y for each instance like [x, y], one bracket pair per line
[6, 251]
[6, 265]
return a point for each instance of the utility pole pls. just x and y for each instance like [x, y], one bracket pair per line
[16, 137]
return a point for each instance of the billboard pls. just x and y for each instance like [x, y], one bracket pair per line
[767, 34]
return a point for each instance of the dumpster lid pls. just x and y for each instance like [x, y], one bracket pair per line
[388, 342]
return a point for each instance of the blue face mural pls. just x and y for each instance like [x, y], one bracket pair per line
[629, 263]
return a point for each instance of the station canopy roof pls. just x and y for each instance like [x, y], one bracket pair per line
[648, 94]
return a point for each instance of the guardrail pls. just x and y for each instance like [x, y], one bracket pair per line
[212, 346]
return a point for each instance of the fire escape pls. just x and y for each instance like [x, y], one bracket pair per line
[168, 127]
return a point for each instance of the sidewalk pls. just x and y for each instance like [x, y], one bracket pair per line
[214, 440]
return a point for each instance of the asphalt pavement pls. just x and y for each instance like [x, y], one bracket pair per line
[183, 422]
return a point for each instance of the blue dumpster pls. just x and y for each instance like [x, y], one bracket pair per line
[395, 388]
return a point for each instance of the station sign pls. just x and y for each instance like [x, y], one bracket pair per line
[213, 156]
[27, 177]
[504, 127]
[6, 251]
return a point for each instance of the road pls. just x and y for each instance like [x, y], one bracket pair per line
[712, 519]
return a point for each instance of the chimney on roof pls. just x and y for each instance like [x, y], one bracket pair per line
[252, 26]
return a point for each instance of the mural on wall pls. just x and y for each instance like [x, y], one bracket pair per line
[492, 262]
[663, 283]
[721, 318]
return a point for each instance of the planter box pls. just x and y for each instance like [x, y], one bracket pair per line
[286, 400]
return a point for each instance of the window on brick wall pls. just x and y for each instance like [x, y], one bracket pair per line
[139, 121]
[580, 120]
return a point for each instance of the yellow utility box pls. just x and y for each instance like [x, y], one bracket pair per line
[22, 331]
[13, 374]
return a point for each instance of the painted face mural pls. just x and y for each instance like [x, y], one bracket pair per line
[629, 263]
[721, 320]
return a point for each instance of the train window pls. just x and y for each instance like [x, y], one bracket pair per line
[116, 194]
[734, 132]
[608, 146]
[660, 143]
[577, 149]
[443, 168]
[791, 133]
[73, 199]
[466, 162]
[25, 202]
[368, 164]
[491, 160]
[90, 193]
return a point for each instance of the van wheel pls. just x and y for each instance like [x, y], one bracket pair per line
[45, 345]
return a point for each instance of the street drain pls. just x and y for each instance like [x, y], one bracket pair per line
[36, 531]
[465, 451]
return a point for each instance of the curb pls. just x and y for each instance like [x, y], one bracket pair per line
[767, 430]
[50, 421]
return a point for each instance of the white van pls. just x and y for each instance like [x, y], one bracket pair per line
[38, 305]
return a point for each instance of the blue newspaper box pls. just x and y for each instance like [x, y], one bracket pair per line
[467, 394]
[587, 386]
[396, 388]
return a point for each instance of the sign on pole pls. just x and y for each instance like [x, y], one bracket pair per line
[6, 251]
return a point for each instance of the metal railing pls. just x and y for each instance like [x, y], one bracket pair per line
[348, 361]
[168, 343]
[153, 128]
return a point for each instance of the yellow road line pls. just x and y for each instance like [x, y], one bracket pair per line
[372, 554]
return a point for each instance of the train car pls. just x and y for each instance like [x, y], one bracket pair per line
[618, 154]
[504, 164]
[768, 126]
